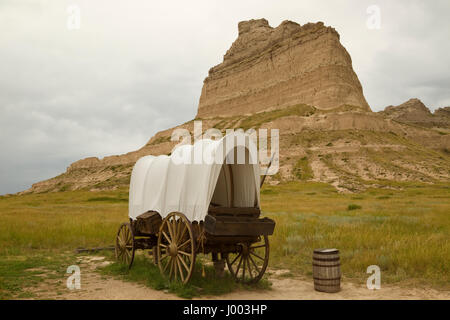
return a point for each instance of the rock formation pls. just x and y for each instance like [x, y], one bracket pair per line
[298, 79]
[443, 112]
[270, 68]
[415, 112]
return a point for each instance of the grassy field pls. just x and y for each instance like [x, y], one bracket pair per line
[403, 229]
[405, 232]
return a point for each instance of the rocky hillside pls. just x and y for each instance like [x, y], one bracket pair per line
[415, 112]
[270, 68]
[443, 112]
[298, 79]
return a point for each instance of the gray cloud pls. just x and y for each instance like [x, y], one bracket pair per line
[134, 69]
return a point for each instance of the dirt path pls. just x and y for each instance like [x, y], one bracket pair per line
[95, 287]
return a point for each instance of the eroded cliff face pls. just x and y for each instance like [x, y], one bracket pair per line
[270, 68]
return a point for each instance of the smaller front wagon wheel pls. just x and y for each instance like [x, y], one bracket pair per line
[125, 244]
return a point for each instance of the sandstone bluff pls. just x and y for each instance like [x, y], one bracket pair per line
[270, 68]
[300, 80]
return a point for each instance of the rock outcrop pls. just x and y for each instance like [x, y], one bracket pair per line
[443, 112]
[270, 68]
[415, 112]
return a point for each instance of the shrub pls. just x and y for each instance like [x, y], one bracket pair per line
[302, 170]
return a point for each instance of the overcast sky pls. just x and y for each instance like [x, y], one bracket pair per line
[136, 67]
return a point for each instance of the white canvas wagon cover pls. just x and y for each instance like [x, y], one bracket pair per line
[183, 183]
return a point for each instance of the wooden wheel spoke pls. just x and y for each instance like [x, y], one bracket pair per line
[179, 226]
[187, 259]
[162, 245]
[175, 267]
[169, 227]
[121, 244]
[256, 255]
[184, 264]
[235, 258]
[243, 268]
[240, 253]
[129, 241]
[238, 266]
[175, 224]
[254, 263]
[260, 246]
[249, 268]
[179, 268]
[184, 231]
[184, 243]
[167, 264]
[184, 253]
[166, 236]
[171, 267]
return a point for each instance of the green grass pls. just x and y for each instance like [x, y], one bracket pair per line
[18, 272]
[256, 120]
[403, 228]
[60, 220]
[146, 273]
[108, 199]
[405, 234]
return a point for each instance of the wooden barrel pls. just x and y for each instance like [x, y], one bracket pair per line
[326, 270]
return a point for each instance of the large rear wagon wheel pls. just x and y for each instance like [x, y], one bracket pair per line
[125, 247]
[176, 248]
[250, 261]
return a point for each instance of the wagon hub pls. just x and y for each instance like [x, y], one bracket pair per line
[173, 249]
[245, 250]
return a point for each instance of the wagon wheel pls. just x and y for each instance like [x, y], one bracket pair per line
[176, 247]
[125, 244]
[250, 261]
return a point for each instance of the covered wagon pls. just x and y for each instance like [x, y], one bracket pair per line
[203, 198]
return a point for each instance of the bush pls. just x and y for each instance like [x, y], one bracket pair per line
[302, 169]
[353, 207]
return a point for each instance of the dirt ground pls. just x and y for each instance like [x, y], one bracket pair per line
[98, 287]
